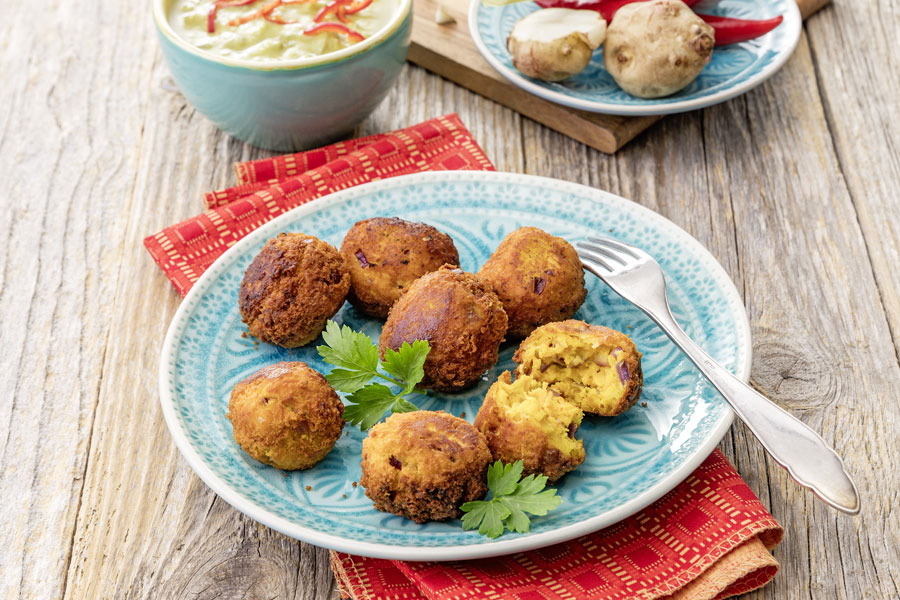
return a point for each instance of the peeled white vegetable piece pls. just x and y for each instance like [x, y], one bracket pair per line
[553, 44]
[653, 49]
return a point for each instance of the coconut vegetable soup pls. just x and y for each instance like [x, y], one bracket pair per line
[276, 30]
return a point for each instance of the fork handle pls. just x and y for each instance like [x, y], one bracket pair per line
[793, 445]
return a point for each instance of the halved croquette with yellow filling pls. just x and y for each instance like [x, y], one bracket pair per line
[527, 420]
[597, 368]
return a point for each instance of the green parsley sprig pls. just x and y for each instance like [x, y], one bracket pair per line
[513, 499]
[357, 361]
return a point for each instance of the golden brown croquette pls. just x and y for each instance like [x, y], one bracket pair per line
[385, 255]
[290, 290]
[529, 421]
[286, 415]
[537, 276]
[460, 317]
[423, 465]
[598, 369]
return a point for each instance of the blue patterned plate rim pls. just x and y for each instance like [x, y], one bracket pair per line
[789, 33]
[508, 543]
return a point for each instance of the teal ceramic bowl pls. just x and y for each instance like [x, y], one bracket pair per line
[288, 105]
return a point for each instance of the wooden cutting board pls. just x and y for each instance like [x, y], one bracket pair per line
[448, 50]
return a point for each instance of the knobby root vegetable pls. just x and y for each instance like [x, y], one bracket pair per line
[653, 49]
[553, 44]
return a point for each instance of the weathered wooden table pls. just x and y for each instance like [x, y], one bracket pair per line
[792, 187]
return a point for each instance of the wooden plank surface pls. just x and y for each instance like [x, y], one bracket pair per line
[448, 50]
[792, 187]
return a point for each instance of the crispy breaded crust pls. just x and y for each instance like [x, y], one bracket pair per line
[423, 465]
[628, 366]
[460, 317]
[537, 276]
[385, 255]
[290, 290]
[511, 439]
[286, 415]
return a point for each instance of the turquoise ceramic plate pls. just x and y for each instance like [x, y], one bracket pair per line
[631, 460]
[733, 70]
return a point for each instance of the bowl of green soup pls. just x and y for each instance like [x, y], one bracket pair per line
[284, 74]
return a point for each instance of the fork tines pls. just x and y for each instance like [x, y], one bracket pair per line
[589, 257]
[614, 244]
[596, 249]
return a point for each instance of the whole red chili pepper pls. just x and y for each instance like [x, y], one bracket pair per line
[732, 31]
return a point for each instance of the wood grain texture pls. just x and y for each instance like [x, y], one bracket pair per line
[858, 78]
[790, 186]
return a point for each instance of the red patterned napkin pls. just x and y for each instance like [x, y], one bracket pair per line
[708, 538]
[270, 187]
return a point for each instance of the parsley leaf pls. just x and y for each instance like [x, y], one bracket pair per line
[486, 516]
[402, 405]
[368, 405]
[349, 349]
[502, 478]
[530, 485]
[347, 381]
[511, 502]
[407, 364]
[518, 521]
[528, 498]
[356, 357]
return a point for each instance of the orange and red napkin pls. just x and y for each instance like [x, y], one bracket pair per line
[708, 538]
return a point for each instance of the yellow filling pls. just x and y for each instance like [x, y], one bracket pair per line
[578, 367]
[526, 400]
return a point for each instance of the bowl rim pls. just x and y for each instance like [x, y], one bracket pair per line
[165, 28]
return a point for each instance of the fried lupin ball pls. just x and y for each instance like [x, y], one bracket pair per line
[424, 465]
[527, 420]
[461, 318]
[538, 278]
[286, 415]
[596, 368]
[290, 290]
[385, 255]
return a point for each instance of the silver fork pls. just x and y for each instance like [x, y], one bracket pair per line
[638, 278]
